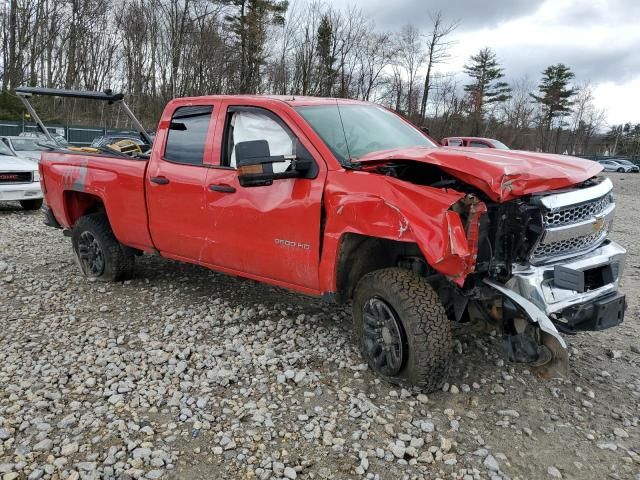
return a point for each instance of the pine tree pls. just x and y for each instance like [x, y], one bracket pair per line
[486, 88]
[555, 97]
[326, 56]
[249, 23]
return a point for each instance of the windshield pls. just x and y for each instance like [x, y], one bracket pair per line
[499, 145]
[26, 145]
[625, 162]
[4, 150]
[353, 131]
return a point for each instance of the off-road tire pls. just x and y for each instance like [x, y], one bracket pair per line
[35, 204]
[427, 331]
[118, 261]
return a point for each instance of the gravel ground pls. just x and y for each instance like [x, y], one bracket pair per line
[186, 373]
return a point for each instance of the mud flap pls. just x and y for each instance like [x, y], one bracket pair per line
[550, 338]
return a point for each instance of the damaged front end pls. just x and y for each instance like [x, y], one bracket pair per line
[533, 267]
[546, 267]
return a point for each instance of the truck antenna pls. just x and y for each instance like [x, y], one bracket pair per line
[346, 142]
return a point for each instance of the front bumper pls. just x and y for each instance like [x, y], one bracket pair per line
[542, 293]
[20, 191]
[537, 283]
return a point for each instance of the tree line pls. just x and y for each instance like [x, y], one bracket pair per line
[155, 50]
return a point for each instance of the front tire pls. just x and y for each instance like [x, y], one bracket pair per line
[621, 170]
[402, 328]
[98, 252]
[35, 204]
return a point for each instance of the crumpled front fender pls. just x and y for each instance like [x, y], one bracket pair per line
[385, 207]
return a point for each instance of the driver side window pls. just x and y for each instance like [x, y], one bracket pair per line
[244, 125]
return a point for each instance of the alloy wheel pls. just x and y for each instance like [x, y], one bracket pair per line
[90, 254]
[383, 337]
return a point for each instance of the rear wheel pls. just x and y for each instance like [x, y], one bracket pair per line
[98, 252]
[621, 170]
[31, 204]
[403, 329]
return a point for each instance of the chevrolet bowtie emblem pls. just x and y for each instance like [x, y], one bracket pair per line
[598, 225]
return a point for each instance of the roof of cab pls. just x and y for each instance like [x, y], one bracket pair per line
[470, 138]
[293, 100]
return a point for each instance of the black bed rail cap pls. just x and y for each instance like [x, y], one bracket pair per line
[107, 95]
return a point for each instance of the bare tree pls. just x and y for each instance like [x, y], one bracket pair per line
[438, 47]
[411, 56]
[517, 113]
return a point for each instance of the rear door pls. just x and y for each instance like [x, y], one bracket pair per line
[176, 180]
[268, 232]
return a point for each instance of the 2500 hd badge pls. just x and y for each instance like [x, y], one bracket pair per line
[292, 244]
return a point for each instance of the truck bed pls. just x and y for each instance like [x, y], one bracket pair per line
[72, 181]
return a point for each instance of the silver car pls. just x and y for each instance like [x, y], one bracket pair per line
[619, 165]
[26, 147]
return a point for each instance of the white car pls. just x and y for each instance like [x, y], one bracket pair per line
[619, 165]
[19, 180]
[25, 147]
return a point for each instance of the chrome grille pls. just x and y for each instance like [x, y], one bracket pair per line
[574, 222]
[572, 245]
[576, 214]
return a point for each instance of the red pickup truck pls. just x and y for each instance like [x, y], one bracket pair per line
[346, 200]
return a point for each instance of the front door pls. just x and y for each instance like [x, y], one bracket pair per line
[268, 232]
[176, 182]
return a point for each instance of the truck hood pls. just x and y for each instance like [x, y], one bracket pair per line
[16, 164]
[501, 174]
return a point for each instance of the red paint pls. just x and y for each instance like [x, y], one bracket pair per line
[501, 174]
[289, 233]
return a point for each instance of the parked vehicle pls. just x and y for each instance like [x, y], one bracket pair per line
[346, 200]
[60, 140]
[619, 165]
[24, 147]
[19, 180]
[474, 142]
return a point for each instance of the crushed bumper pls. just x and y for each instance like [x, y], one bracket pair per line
[559, 288]
[579, 294]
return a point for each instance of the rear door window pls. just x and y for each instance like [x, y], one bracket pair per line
[477, 144]
[454, 142]
[188, 134]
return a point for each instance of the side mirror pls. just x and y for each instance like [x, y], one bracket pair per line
[255, 164]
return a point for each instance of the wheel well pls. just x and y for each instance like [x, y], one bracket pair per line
[361, 254]
[78, 204]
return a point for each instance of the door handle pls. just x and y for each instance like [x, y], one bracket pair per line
[222, 188]
[159, 180]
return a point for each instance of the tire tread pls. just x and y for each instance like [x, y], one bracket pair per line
[425, 321]
[120, 263]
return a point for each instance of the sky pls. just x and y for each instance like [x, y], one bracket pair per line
[598, 39]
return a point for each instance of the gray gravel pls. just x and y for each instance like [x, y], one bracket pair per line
[186, 373]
